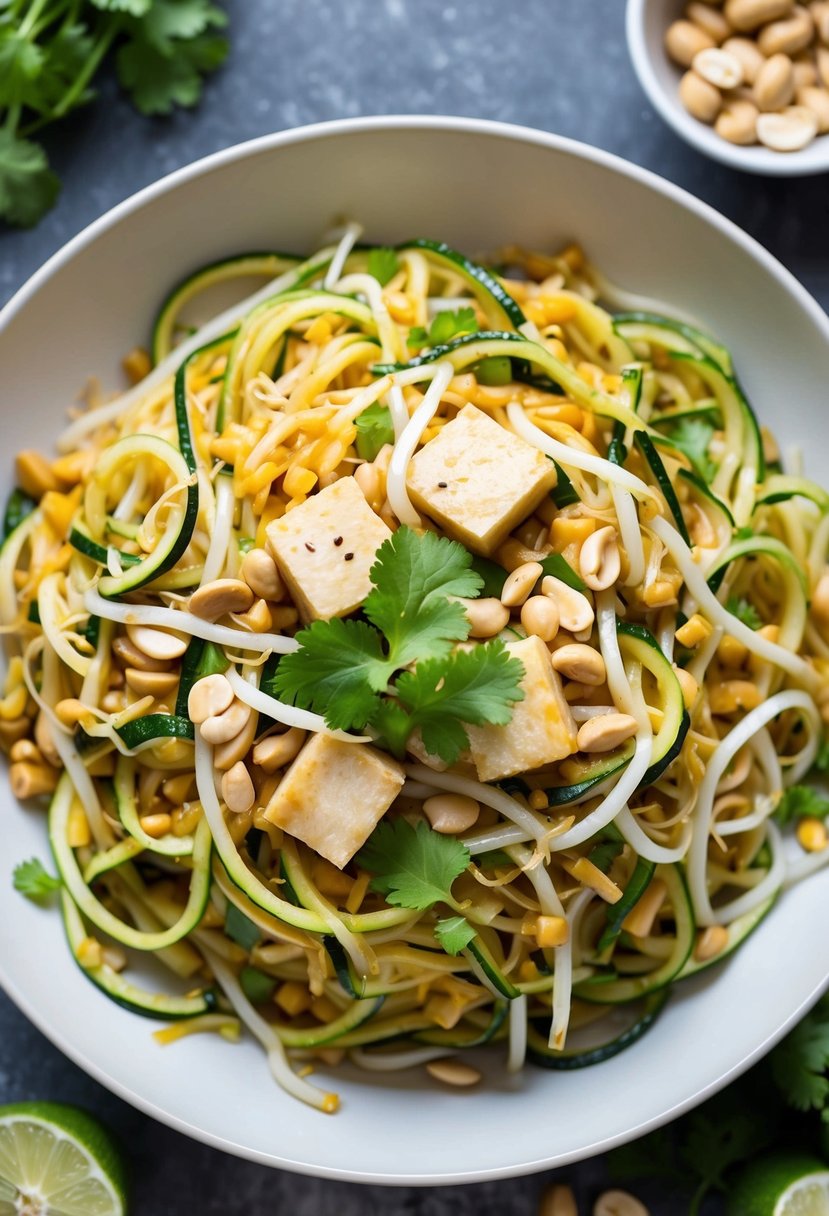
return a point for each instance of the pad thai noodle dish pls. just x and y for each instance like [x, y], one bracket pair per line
[421, 654]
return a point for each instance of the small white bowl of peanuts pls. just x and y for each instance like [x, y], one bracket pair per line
[744, 81]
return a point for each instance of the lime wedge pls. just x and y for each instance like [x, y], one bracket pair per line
[782, 1186]
[58, 1161]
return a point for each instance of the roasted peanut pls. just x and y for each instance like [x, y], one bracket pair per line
[209, 697]
[577, 661]
[237, 789]
[275, 751]
[606, 731]
[719, 68]
[451, 814]
[600, 562]
[794, 128]
[540, 617]
[160, 644]
[684, 40]
[520, 583]
[737, 122]
[453, 1072]
[486, 617]
[223, 595]
[774, 86]
[789, 36]
[221, 728]
[746, 52]
[261, 574]
[747, 15]
[701, 99]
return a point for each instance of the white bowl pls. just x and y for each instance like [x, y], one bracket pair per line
[647, 21]
[476, 185]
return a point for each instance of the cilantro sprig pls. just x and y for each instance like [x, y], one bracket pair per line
[50, 55]
[744, 611]
[800, 1065]
[415, 868]
[693, 437]
[801, 802]
[31, 879]
[400, 670]
[445, 326]
[374, 430]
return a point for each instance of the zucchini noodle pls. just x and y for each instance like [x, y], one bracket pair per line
[271, 495]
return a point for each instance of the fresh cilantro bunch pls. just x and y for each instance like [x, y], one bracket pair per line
[399, 670]
[50, 53]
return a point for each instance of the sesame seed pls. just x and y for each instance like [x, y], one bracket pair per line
[442, 485]
[311, 548]
[348, 557]
[338, 540]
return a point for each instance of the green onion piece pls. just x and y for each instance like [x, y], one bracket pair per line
[495, 371]
[257, 986]
[240, 929]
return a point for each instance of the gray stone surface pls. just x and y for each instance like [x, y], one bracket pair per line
[560, 65]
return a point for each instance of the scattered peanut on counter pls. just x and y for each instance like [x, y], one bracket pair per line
[755, 70]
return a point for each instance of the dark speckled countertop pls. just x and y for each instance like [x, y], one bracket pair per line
[560, 65]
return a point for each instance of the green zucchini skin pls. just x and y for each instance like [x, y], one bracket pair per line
[156, 1005]
[541, 1054]
[738, 931]
[620, 991]
[498, 305]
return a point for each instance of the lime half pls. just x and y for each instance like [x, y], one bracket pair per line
[56, 1160]
[782, 1186]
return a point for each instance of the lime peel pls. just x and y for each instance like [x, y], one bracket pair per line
[56, 1160]
[785, 1185]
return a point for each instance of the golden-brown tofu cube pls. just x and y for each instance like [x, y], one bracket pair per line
[325, 548]
[478, 480]
[541, 730]
[334, 795]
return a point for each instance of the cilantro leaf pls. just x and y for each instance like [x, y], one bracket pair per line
[801, 1062]
[744, 611]
[693, 437]
[28, 187]
[444, 327]
[21, 63]
[448, 325]
[454, 933]
[473, 686]
[374, 430]
[158, 80]
[135, 8]
[413, 867]
[413, 577]
[801, 802]
[337, 671]
[32, 880]
[165, 21]
[383, 264]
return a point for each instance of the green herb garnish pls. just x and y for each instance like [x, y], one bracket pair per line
[354, 672]
[32, 880]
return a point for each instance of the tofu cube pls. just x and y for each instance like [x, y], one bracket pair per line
[334, 795]
[325, 548]
[478, 480]
[541, 730]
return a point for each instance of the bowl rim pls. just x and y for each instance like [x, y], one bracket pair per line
[753, 159]
[310, 133]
